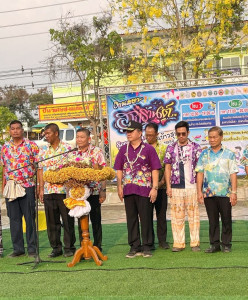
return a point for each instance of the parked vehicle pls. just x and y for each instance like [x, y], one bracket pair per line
[67, 135]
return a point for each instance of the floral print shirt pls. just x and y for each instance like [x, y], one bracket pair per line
[217, 168]
[14, 157]
[52, 164]
[137, 166]
[244, 158]
[92, 156]
[192, 151]
[161, 149]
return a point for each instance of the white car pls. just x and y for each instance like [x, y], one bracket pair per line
[67, 135]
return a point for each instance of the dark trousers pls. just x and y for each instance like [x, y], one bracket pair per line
[216, 206]
[54, 209]
[16, 209]
[139, 207]
[161, 207]
[96, 221]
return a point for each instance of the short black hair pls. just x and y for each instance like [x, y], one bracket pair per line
[182, 124]
[85, 130]
[152, 125]
[216, 128]
[54, 127]
[15, 122]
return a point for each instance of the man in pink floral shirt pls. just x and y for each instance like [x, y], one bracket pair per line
[93, 157]
[20, 153]
[181, 158]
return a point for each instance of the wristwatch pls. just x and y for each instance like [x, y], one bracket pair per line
[155, 188]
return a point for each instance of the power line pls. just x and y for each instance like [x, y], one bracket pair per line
[23, 35]
[50, 20]
[36, 7]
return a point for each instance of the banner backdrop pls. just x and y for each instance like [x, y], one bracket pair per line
[203, 107]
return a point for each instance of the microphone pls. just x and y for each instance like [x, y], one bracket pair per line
[74, 149]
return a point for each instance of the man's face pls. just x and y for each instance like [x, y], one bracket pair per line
[134, 135]
[82, 139]
[16, 131]
[151, 135]
[50, 136]
[182, 135]
[214, 139]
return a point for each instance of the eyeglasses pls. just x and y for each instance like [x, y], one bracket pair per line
[181, 133]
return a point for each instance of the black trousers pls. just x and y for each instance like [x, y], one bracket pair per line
[16, 209]
[139, 207]
[54, 209]
[96, 221]
[219, 206]
[161, 207]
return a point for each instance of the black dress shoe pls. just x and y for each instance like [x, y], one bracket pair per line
[16, 254]
[68, 254]
[55, 254]
[164, 245]
[32, 254]
[226, 249]
[213, 249]
[176, 249]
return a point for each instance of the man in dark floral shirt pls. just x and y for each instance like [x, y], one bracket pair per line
[181, 158]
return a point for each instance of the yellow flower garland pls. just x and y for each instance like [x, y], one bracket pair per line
[80, 174]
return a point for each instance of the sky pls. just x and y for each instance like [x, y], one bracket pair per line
[30, 51]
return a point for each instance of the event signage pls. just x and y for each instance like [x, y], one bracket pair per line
[66, 111]
[202, 107]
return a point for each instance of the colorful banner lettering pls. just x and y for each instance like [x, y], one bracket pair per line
[203, 107]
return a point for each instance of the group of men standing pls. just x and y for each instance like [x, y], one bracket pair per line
[20, 159]
[147, 175]
[191, 177]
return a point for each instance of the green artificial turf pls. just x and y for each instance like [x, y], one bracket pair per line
[166, 275]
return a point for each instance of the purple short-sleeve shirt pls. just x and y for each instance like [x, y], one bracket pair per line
[137, 167]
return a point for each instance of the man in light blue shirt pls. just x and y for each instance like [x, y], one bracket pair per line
[217, 188]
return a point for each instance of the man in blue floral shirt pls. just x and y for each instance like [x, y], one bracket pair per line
[217, 187]
[181, 158]
[244, 159]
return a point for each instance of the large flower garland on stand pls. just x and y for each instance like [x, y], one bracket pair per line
[75, 177]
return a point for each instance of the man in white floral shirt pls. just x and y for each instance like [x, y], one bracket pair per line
[52, 195]
[181, 158]
[93, 157]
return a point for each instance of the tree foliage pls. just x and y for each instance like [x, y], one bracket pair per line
[17, 101]
[20, 102]
[43, 96]
[6, 116]
[90, 53]
[185, 35]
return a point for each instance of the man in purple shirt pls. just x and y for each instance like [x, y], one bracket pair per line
[137, 166]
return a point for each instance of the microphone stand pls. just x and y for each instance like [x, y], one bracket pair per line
[37, 259]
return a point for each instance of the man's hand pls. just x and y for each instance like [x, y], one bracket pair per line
[153, 195]
[120, 193]
[41, 195]
[200, 198]
[169, 192]
[233, 199]
[102, 196]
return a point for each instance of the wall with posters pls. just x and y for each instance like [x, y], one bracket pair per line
[202, 107]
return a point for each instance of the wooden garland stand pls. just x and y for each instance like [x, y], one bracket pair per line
[87, 250]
